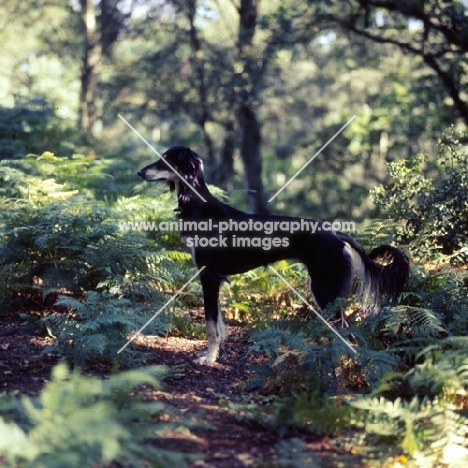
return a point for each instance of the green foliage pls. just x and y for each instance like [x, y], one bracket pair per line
[56, 236]
[435, 213]
[98, 327]
[30, 127]
[59, 218]
[67, 245]
[185, 326]
[314, 412]
[259, 295]
[411, 360]
[415, 322]
[443, 371]
[61, 242]
[415, 414]
[430, 428]
[430, 432]
[84, 422]
[435, 307]
[379, 231]
[47, 177]
[305, 356]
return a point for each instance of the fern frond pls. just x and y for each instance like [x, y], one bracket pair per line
[89, 422]
[70, 302]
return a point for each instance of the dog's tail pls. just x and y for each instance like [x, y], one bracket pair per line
[379, 284]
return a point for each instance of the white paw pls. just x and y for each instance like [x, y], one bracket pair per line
[204, 360]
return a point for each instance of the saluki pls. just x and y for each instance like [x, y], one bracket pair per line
[333, 259]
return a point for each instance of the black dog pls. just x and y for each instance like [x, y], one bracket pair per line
[227, 241]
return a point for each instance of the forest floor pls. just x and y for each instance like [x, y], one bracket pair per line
[203, 394]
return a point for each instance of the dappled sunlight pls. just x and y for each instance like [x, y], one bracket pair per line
[351, 115]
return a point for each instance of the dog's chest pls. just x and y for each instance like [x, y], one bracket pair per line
[185, 240]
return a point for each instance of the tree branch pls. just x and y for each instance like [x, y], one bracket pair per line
[415, 11]
[449, 80]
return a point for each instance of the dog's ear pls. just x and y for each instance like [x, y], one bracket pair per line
[186, 161]
[189, 162]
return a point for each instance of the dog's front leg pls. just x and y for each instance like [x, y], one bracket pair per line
[213, 320]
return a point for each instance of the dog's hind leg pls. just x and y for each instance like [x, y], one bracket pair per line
[213, 320]
[324, 295]
[331, 281]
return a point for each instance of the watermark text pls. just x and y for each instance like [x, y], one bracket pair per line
[232, 225]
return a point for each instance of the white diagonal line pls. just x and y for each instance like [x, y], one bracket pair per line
[313, 310]
[160, 310]
[157, 153]
[312, 158]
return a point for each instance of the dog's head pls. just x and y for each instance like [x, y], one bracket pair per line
[176, 162]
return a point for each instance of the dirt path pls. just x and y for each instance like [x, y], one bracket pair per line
[200, 393]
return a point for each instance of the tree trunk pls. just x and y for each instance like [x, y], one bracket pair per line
[250, 136]
[198, 66]
[91, 68]
[225, 172]
[249, 126]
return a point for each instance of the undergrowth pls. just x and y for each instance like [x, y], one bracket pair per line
[82, 421]
[63, 249]
[400, 400]
[433, 208]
